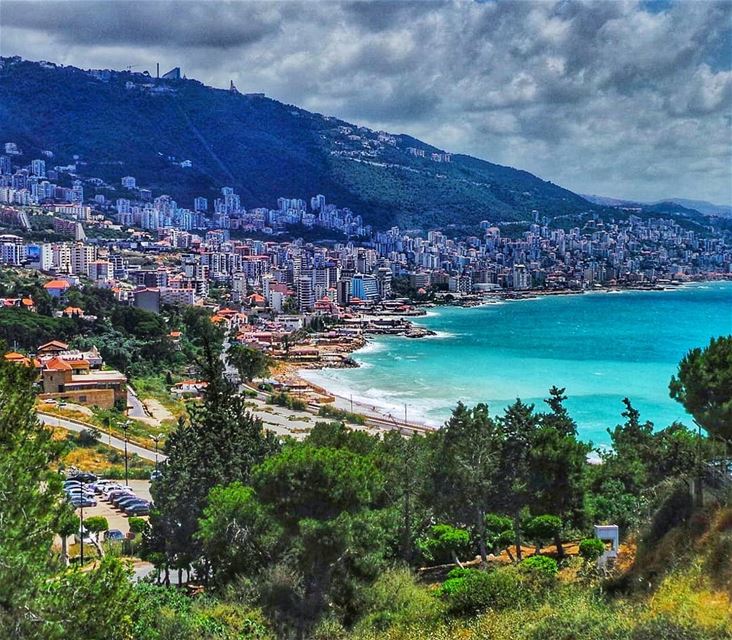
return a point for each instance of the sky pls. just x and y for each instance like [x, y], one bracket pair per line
[620, 98]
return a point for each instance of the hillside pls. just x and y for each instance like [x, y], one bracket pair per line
[123, 123]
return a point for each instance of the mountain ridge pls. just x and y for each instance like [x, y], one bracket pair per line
[124, 123]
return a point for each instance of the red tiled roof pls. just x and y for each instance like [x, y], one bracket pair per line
[57, 284]
[56, 344]
[56, 364]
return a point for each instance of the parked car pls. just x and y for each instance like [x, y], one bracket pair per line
[124, 497]
[120, 504]
[112, 495]
[134, 507]
[99, 485]
[108, 489]
[74, 493]
[83, 476]
[138, 509]
[82, 501]
[114, 535]
[88, 538]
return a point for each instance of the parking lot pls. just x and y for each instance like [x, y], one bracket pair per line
[116, 518]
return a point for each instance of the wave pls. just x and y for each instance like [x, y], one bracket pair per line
[385, 402]
[441, 335]
[372, 346]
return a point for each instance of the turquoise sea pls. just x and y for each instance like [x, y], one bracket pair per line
[599, 346]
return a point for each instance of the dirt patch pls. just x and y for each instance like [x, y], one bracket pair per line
[157, 410]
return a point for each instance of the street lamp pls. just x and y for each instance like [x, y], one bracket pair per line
[81, 525]
[125, 426]
[156, 439]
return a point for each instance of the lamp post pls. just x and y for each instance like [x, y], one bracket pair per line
[81, 525]
[125, 426]
[156, 439]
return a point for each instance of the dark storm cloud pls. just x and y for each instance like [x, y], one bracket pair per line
[617, 97]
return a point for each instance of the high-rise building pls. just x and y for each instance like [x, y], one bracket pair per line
[38, 168]
[129, 182]
[521, 277]
[305, 294]
[77, 192]
[364, 287]
[343, 292]
[82, 255]
[200, 204]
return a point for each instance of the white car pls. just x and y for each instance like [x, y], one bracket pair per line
[88, 539]
[115, 487]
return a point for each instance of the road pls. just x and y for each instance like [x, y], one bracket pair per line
[135, 408]
[104, 438]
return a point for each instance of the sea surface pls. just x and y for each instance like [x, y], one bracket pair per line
[600, 346]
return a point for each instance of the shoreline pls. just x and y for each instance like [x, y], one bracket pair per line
[293, 371]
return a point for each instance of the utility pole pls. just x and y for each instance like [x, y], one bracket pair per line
[125, 427]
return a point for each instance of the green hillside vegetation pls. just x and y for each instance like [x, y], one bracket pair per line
[481, 530]
[261, 147]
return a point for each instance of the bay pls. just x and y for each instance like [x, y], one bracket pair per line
[600, 346]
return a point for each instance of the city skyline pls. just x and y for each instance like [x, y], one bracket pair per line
[628, 100]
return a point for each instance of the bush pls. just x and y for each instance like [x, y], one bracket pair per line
[542, 529]
[87, 437]
[540, 567]
[283, 399]
[396, 599]
[578, 615]
[96, 524]
[668, 629]
[480, 590]
[444, 543]
[591, 548]
[327, 411]
[458, 572]
[137, 525]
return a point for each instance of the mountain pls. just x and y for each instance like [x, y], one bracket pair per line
[681, 206]
[704, 207]
[121, 123]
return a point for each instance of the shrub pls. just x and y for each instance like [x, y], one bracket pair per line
[327, 411]
[481, 590]
[87, 437]
[95, 524]
[499, 531]
[444, 543]
[668, 629]
[458, 572]
[395, 598]
[137, 525]
[578, 615]
[283, 399]
[540, 567]
[591, 548]
[542, 529]
[675, 509]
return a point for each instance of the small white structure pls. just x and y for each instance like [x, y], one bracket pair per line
[608, 533]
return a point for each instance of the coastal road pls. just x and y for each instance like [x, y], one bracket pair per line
[104, 438]
[384, 423]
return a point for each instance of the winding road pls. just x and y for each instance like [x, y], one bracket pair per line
[104, 438]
